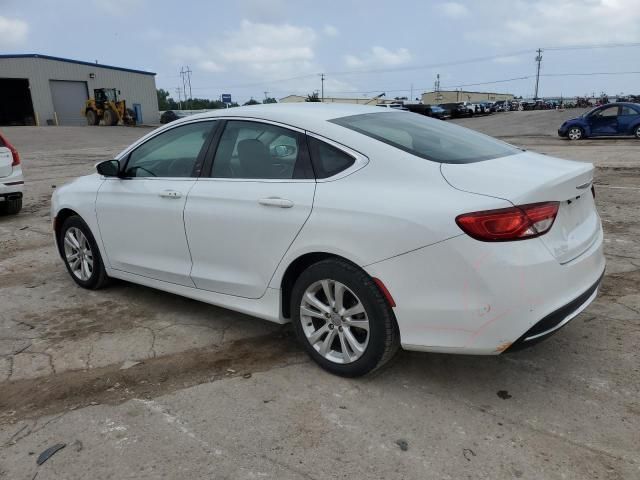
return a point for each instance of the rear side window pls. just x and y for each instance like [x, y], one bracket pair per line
[625, 111]
[328, 160]
[427, 138]
[256, 150]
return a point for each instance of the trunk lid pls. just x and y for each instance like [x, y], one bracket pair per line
[530, 178]
[6, 162]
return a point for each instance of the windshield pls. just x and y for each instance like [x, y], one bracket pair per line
[427, 138]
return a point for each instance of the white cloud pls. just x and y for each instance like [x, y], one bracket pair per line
[13, 32]
[453, 9]
[550, 22]
[379, 57]
[330, 31]
[274, 51]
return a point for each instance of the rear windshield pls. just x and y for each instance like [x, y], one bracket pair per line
[427, 138]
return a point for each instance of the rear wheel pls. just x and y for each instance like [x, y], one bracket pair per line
[92, 117]
[81, 255]
[575, 133]
[342, 319]
[637, 132]
[11, 207]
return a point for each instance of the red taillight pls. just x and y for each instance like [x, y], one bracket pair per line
[14, 152]
[508, 224]
[16, 156]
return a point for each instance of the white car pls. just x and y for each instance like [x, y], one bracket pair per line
[11, 179]
[367, 228]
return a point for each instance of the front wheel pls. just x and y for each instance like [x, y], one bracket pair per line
[575, 133]
[342, 319]
[81, 255]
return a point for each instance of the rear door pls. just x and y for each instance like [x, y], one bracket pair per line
[242, 217]
[604, 121]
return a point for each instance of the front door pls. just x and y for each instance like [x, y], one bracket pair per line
[141, 215]
[241, 220]
[604, 121]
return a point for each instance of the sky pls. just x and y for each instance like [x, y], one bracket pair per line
[364, 47]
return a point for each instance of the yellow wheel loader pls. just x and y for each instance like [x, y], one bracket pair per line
[105, 107]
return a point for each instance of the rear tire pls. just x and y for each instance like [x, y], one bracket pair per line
[637, 133]
[92, 117]
[575, 133]
[11, 207]
[326, 329]
[81, 255]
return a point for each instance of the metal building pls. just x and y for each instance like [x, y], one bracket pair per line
[451, 96]
[44, 90]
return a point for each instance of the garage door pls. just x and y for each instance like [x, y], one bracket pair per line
[68, 100]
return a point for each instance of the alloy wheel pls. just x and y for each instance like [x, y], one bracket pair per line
[77, 252]
[575, 134]
[334, 321]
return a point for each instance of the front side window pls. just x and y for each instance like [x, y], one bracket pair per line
[254, 150]
[171, 154]
[608, 112]
[427, 138]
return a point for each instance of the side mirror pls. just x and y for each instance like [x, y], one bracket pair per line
[109, 168]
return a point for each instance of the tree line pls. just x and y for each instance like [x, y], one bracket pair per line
[166, 102]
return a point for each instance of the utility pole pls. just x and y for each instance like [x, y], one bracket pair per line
[178, 91]
[266, 95]
[322, 81]
[185, 73]
[539, 60]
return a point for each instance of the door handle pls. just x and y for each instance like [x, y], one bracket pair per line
[170, 194]
[276, 202]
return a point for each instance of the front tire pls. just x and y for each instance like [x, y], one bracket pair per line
[575, 133]
[81, 254]
[342, 319]
[110, 118]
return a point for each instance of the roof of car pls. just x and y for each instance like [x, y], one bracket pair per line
[307, 115]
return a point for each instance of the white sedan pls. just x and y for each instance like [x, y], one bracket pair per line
[367, 228]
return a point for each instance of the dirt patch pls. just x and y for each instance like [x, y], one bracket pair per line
[81, 321]
[70, 390]
[621, 284]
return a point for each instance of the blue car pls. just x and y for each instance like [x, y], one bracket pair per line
[612, 119]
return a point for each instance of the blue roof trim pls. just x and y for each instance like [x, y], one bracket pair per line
[79, 62]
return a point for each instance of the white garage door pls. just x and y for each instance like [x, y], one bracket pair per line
[68, 99]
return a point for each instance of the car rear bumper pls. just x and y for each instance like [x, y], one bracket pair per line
[465, 296]
[556, 320]
[12, 186]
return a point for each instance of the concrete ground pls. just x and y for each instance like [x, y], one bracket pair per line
[142, 384]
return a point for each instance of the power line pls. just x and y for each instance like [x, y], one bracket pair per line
[420, 67]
